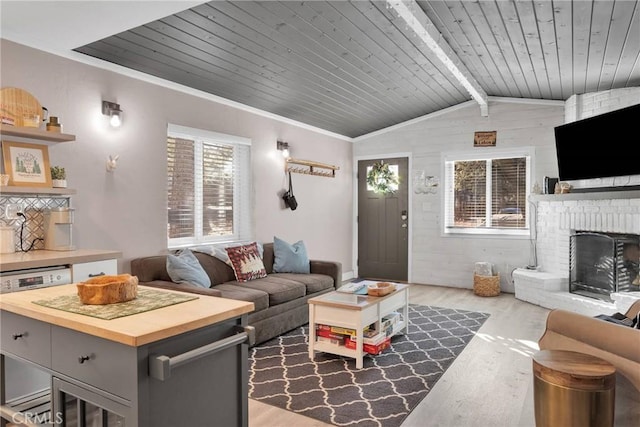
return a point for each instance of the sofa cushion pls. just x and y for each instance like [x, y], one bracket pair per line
[313, 282]
[182, 287]
[259, 298]
[150, 268]
[185, 268]
[218, 271]
[246, 262]
[290, 258]
[219, 250]
[279, 289]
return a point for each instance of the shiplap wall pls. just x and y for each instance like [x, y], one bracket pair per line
[450, 261]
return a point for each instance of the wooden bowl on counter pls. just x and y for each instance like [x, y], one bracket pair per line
[108, 289]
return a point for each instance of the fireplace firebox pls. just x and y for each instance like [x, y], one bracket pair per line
[603, 263]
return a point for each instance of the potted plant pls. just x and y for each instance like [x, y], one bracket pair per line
[58, 177]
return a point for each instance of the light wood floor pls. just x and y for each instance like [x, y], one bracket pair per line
[490, 384]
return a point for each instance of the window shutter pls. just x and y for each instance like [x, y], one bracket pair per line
[486, 194]
[470, 193]
[217, 190]
[181, 194]
[209, 187]
[509, 192]
[243, 212]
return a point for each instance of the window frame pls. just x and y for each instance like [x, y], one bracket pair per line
[242, 223]
[448, 191]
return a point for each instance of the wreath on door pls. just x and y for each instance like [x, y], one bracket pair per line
[381, 178]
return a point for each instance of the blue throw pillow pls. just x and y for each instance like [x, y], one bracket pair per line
[290, 258]
[185, 268]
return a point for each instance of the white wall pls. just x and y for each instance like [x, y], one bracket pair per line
[126, 210]
[446, 260]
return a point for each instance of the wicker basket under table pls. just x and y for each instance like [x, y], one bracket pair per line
[486, 286]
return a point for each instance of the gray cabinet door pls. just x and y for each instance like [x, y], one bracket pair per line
[217, 382]
[74, 405]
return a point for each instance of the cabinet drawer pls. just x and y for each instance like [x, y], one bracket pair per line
[86, 270]
[26, 338]
[369, 315]
[107, 365]
[393, 302]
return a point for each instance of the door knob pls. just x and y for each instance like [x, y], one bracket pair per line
[404, 225]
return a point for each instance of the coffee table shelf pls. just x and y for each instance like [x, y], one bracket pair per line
[355, 312]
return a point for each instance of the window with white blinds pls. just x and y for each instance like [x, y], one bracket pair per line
[487, 193]
[208, 187]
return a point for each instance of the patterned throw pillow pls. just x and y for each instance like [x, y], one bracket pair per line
[246, 262]
[219, 250]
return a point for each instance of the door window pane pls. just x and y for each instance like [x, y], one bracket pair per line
[394, 170]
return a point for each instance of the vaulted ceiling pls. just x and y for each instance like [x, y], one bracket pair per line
[354, 67]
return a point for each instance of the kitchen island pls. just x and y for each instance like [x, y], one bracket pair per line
[182, 364]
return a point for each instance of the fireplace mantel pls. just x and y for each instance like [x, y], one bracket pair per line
[596, 195]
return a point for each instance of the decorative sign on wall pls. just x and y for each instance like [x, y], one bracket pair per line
[27, 164]
[485, 139]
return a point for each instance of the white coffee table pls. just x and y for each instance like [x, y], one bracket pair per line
[355, 312]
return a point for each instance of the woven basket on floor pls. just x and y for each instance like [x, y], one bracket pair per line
[486, 286]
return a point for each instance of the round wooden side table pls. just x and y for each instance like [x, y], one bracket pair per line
[573, 389]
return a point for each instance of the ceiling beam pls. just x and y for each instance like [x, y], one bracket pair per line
[422, 26]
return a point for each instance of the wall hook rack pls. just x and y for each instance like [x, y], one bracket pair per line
[309, 167]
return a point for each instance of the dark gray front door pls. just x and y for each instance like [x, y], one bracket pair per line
[383, 225]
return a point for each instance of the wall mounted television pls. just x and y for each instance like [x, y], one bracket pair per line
[602, 146]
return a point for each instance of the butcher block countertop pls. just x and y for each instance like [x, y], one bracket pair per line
[45, 258]
[134, 330]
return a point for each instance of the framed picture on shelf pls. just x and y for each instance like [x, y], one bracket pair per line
[26, 164]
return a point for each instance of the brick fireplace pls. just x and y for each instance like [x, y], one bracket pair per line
[558, 217]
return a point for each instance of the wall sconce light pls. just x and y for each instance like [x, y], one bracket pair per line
[112, 110]
[284, 147]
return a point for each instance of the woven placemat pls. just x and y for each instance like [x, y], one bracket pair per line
[148, 299]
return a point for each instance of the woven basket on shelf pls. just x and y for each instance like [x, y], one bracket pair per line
[486, 286]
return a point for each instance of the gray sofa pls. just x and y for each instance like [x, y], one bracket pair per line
[280, 299]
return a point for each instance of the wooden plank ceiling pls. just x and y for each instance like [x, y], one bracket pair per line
[354, 67]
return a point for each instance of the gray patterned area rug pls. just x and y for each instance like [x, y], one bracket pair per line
[390, 385]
